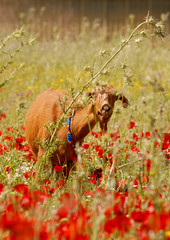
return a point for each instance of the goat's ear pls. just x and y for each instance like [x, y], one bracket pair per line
[124, 100]
[90, 94]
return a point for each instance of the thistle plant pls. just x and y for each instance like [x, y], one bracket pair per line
[10, 55]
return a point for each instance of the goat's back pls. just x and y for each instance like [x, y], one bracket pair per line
[45, 109]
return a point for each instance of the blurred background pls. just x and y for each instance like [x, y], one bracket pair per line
[50, 18]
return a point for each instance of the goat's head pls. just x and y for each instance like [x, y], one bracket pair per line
[105, 97]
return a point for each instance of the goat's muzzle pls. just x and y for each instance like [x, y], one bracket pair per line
[104, 115]
[106, 108]
[105, 112]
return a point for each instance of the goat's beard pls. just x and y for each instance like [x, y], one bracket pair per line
[103, 126]
[103, 122]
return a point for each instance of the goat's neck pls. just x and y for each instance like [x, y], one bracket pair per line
[83, 121]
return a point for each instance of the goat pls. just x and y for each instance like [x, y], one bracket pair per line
[47, 108]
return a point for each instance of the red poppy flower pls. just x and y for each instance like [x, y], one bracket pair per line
[148, 165]
[115, 135]
[62, 212]
[44, 233]
[93, 178]
[21, 188]
[30, 156]
[157, 144]
[22, 127]
[27, 202]
[135, 137]
[167, 137]
[3, 149]
[136, 182]
[39, 196]
[166, 141]
[120, 223]
[58, 168]
[1, 187]
[8, 139]
[131, 125]
[7, 169]
[27, 175]
[10, 129]
[60, 183]
[20, 139]
[51, 190]
[85, 146]
[3, 115]
[19, 147]
[100, 153]
[147, 135]
[19, 226]
[110, 157]
[95, 134]
[135, 149]
[139, 216]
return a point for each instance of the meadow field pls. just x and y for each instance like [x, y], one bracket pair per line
[120, 188]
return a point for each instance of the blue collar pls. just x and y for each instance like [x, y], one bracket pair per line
[69, 135]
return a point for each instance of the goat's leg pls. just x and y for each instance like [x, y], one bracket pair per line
[40, 152]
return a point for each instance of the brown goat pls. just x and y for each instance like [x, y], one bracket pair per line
[47, 108]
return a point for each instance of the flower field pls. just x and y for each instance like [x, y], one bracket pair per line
[121, 186]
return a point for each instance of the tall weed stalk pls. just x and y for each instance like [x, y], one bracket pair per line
[10, 55]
